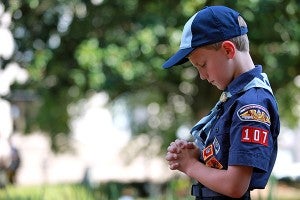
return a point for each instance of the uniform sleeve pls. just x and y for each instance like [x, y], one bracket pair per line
[250, 136]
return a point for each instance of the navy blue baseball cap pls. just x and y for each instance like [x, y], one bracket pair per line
[210, 25]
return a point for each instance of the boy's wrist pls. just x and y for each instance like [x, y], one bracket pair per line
[192, 168]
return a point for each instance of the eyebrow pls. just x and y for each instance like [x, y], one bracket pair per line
[192, 52]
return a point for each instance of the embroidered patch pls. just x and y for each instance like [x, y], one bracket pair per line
[254, 112]
[214, 163]
[216, 145]
[208, 152]
[255, 135]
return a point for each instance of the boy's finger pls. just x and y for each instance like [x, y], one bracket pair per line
[172, 149]
[191, 145]
[174, 166]
[181, 143]
[171, 156]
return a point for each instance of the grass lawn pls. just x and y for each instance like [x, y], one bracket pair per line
[51, 192]
[280, 191]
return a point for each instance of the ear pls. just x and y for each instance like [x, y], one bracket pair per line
[229, 48]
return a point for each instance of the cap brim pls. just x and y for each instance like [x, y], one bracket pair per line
[178, 58]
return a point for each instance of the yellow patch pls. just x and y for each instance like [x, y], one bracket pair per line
[254, 112]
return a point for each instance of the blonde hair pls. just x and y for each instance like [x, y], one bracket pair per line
[240, 42]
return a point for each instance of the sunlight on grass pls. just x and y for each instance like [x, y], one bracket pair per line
[174, 190]
[51, 192]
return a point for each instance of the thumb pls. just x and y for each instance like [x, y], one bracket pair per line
[191, 145]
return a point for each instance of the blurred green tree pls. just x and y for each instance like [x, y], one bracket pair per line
[74, 48]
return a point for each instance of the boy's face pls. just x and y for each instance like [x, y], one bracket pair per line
[215, 66]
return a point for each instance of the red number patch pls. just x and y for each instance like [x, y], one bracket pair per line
[255, 135]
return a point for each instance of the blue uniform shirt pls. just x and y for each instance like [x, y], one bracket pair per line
[246, 130]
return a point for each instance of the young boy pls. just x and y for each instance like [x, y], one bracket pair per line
[236, 143]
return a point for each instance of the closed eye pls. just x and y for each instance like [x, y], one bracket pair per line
[202, 65]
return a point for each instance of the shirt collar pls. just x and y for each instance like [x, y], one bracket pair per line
[242, 80]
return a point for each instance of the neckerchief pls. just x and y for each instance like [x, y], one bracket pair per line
[202, 129]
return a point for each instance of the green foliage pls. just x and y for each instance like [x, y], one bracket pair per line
[74, 48]
[289, 97]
